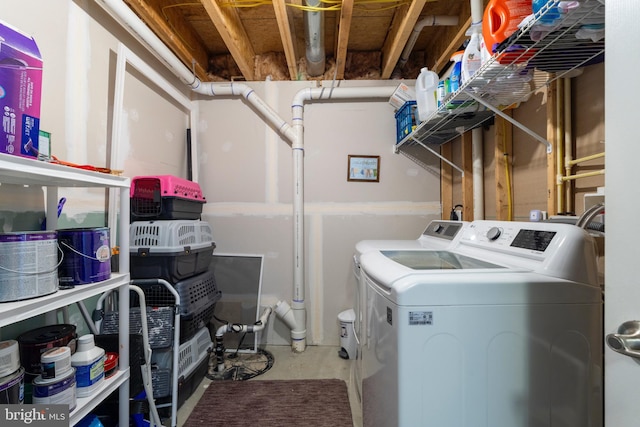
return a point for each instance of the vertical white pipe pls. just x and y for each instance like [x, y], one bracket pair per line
[568, 146]
[477, 153]
[477, 10]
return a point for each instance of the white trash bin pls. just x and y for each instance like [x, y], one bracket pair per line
[347, 319]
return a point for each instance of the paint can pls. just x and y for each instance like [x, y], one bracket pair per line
[56, 391]
[55, 362]
[28, 266]
[9, 357]
[12, 388]
[86, 256]
[35, 342]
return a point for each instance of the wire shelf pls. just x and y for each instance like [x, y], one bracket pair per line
[530, 59]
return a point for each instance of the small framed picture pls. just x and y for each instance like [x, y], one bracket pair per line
[363, 168]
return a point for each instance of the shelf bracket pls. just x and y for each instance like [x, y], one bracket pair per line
[435, 153]
[513, 122]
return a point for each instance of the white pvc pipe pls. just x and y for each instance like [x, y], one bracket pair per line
[568, 146]
[477, 10]
[293, 134]
[478, 173]
[429, 21]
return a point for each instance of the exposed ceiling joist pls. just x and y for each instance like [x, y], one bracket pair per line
[344, 26]
[284, 26]
[179, 36]
[449, 49]
[223, 39]
[229, 25]
[404, 20]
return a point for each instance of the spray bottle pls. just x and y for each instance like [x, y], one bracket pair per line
[472, 58]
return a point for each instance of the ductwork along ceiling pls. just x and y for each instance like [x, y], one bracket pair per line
[252, 40]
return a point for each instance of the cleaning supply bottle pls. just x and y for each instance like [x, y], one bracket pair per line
[89, 363]
[472, 58]
[426, 92]
[456, 71]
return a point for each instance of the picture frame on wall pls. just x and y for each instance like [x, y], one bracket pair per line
[362, 168]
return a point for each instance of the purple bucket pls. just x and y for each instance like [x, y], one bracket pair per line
[87, 256]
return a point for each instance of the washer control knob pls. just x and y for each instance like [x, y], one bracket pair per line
[493, 233]
[437, 228]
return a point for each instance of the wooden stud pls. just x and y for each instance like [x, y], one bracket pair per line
[446, 181]
[503, 170]
[467, 178]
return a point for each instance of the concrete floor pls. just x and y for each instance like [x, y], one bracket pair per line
[316, 362]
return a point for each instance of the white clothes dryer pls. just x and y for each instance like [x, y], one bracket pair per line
[502, 329]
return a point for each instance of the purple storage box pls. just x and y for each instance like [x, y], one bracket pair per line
[20, 92]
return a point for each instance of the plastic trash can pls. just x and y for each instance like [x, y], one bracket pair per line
[347, 319]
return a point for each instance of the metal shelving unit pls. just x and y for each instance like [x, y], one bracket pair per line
[530, 59]
[26, 171]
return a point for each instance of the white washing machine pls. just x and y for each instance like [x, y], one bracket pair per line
[439, 234]
[502, 329]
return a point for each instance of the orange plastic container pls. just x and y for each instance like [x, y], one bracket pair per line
[500, 20]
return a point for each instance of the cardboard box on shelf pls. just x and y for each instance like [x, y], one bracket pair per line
[20, 92]
[402, 94]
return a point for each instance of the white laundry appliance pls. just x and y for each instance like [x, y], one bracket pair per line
[438, 234]
[502, 329]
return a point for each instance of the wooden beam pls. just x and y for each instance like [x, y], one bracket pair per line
[446, 181]
[467, 178]
[229, 25]
[404, 20]
[170, 26]
[552, 137]
[284, 26]
[503, 170]
[344, 27]
[447, 50]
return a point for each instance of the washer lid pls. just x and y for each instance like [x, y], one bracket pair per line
[436, 260]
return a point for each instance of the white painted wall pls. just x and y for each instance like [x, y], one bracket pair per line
[246, 175]
[245, 168]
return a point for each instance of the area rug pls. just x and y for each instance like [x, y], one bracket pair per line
[273, 403]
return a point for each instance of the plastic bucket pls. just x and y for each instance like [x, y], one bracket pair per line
[28, 265]
[86, 256]
[57, 391]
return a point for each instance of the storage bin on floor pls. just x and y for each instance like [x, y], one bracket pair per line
[165, 197]
[190, 355]
[170, 250]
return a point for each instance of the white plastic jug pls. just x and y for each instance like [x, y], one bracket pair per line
[426, 93]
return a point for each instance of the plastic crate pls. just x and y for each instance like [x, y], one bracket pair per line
[165, 197]
[406, 121]
[170, 250]
[190, 325]
[168, 235]
[159, 322]
[196, 294]
[190, 355]
[172, 267]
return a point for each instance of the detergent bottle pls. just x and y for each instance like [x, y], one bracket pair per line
[426, 92]
[501, 19]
